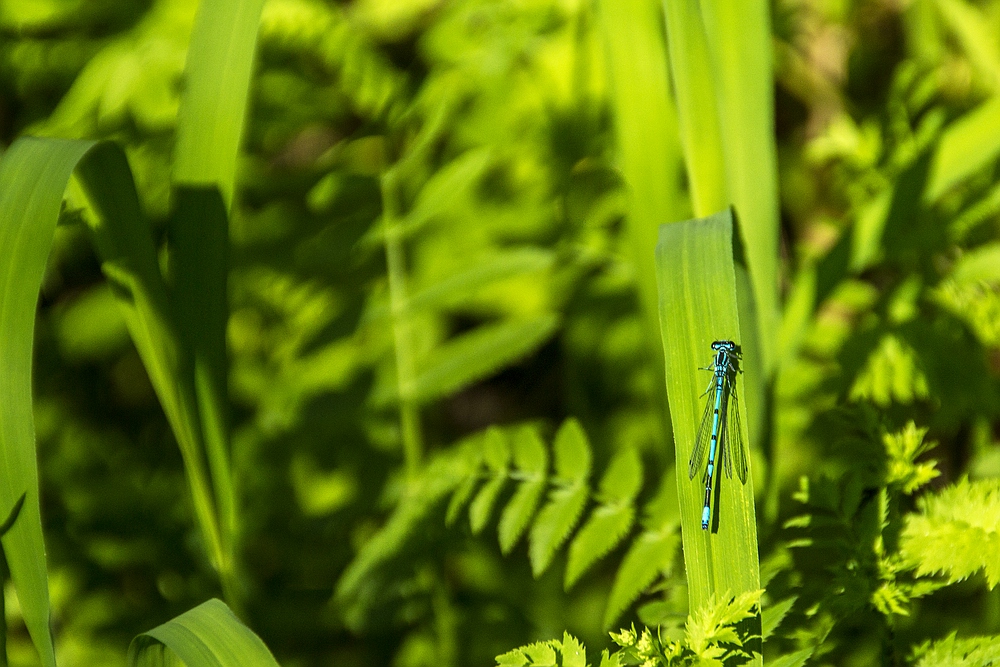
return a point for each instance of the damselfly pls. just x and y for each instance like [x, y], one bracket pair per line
[720, 430]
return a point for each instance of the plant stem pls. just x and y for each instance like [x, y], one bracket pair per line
[409, 413]
[3, 610]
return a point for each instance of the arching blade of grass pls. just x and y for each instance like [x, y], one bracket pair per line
[217, 78]
[739, 39]
[33, 178]
[698, 304]
[213, 113]
[209, 635]
[646, 131]
[697, 106]
[31, 192]
[129, 260]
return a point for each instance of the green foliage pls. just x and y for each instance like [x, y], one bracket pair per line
[651, 554]
[440, 228]
[954, 652]
[714, 636]
[613, 517]
[480, 468]
[568, 653]
[955, 532]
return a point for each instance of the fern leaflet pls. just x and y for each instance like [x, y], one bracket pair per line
[532, 462]
[497, 456]
[954, 652]
[956, 533]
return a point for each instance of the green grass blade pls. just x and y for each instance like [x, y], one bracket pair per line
[698, 304]
[212, 116]
[199, 254]
[209, 635]
[697, 108]
[532, 461]
[739, 38]
[129, 260]
[646, 131]
[32, 183]
[213, 111]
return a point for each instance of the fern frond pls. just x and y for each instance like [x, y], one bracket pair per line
[552, 653]
[773, 614]
[606, 527]
[652, 553]
[715, 623]
[956, 533]
[795, 659]
[611, 520]
[902, 450]
[532, 461]
[496, 453]
[439, 479]
[555, 522]
[623, 480]
[892, 373]
[323, 34]
[572, 450]
[566, 500]
[954, 652]
[473, 457]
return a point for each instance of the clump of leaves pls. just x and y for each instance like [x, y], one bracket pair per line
[715, 635]
[863, 557]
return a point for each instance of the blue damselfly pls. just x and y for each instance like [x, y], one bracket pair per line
[720, 431]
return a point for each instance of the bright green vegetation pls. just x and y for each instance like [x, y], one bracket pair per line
[373, 332]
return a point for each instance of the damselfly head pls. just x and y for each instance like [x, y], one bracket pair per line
[726, 345]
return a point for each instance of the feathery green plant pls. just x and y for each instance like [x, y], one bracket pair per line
[718, 634]
[475, 474]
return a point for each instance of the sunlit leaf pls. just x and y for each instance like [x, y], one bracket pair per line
[531, 459]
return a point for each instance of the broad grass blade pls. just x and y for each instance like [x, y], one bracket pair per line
[209, 635]
[699, 304]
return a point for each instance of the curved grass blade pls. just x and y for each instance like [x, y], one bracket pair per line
[217, 81]
[209, 635]
[32, 183]
[209, 131]
[648, 143]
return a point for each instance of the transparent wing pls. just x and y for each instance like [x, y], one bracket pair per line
[735, 452]
[701, 440]
[725, 437]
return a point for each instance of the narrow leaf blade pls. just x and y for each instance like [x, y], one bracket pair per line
[651, 553]
[572, 451]
[480, 353]
[605, 528]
